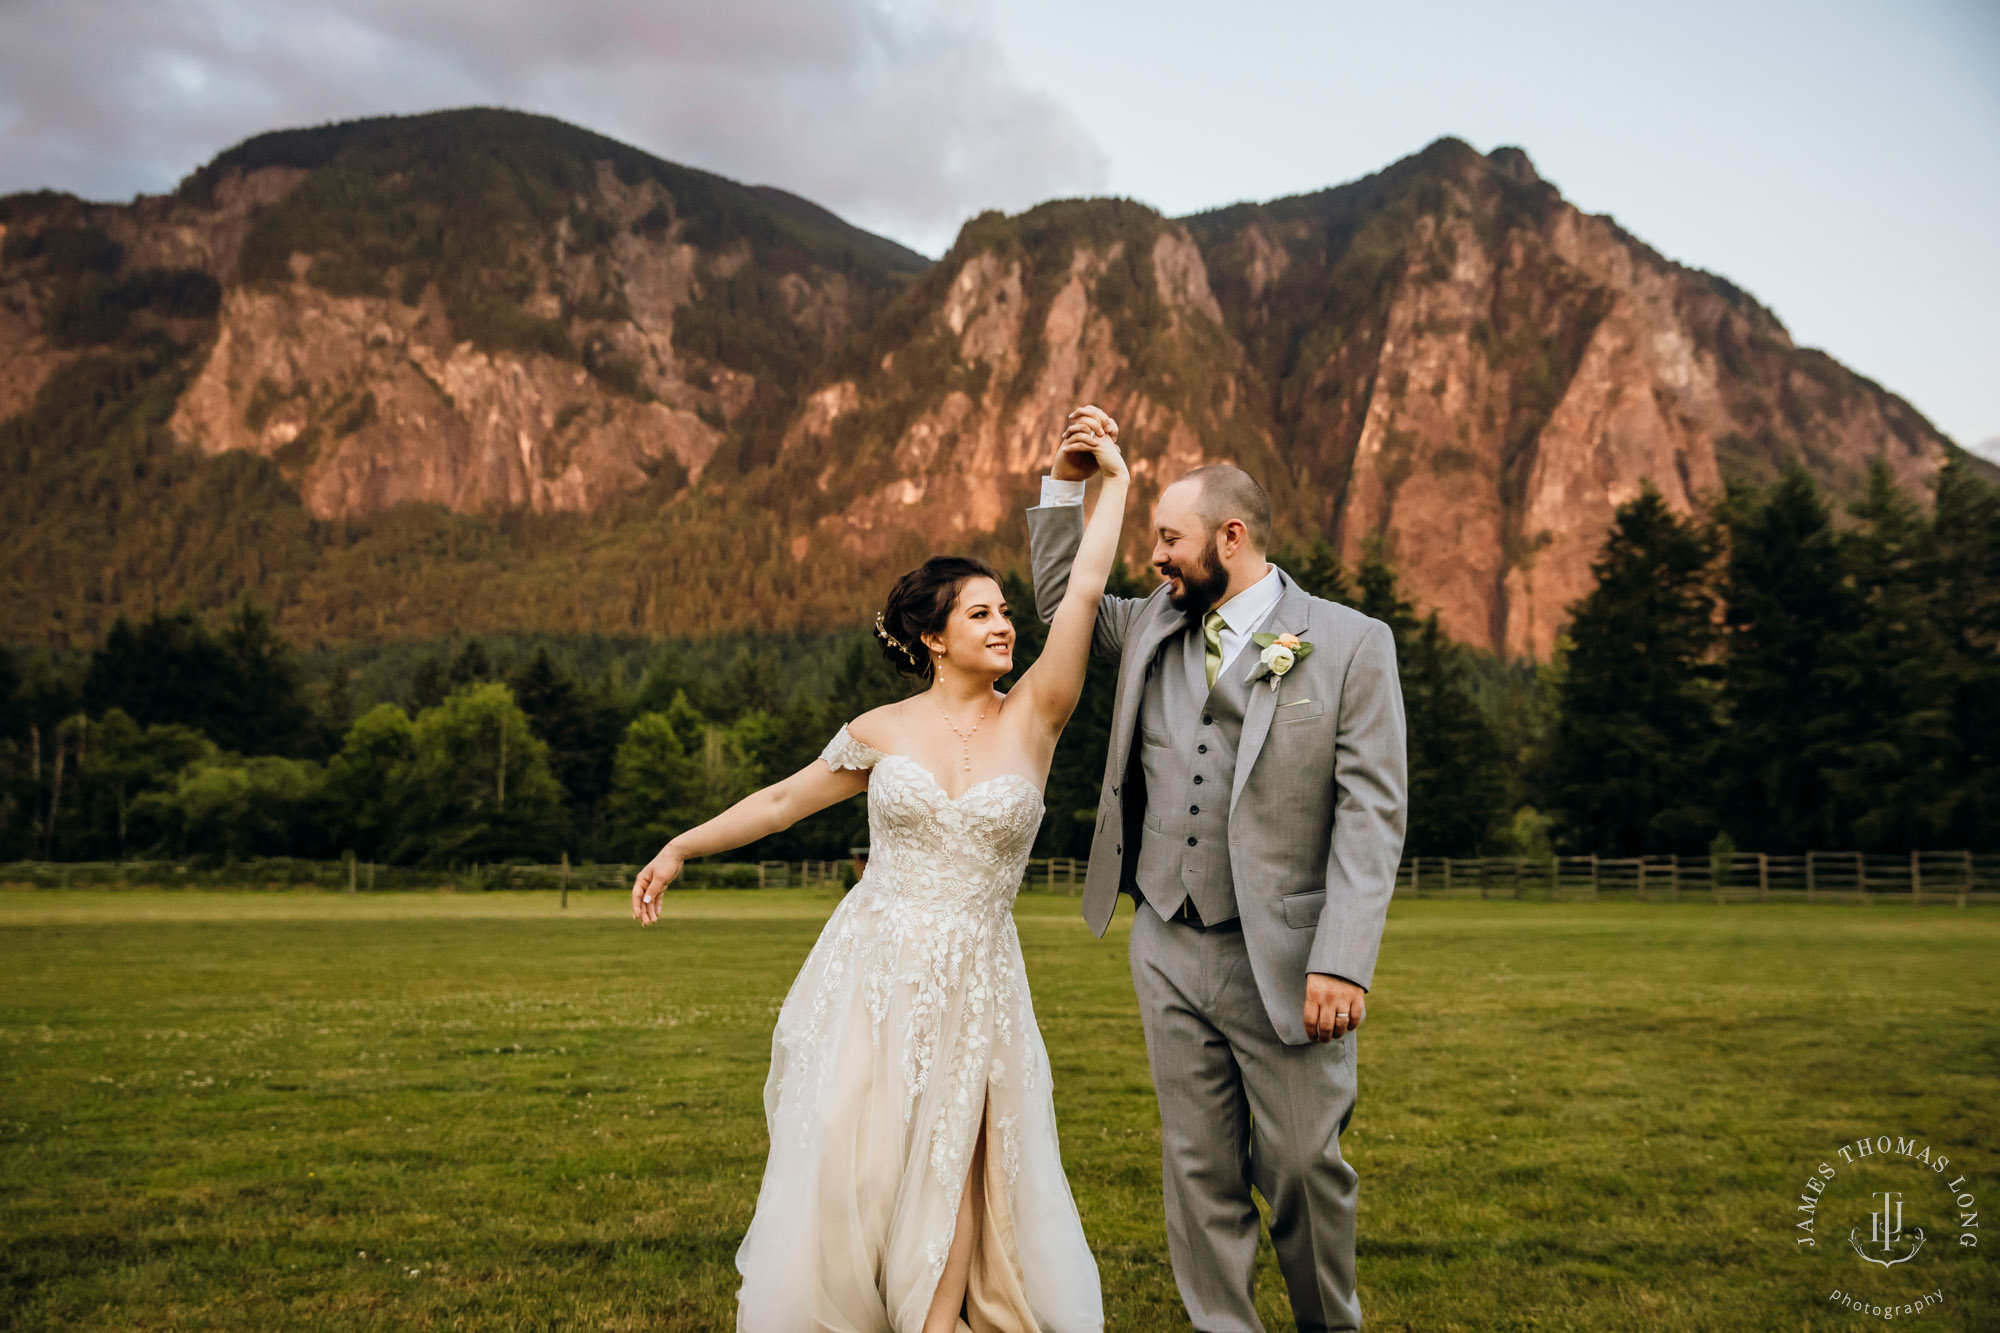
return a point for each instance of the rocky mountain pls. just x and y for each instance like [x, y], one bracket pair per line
[481, 370]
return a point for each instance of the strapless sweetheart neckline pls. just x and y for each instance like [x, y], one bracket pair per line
[932, 778]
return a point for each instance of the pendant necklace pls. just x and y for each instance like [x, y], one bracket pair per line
[964, 737]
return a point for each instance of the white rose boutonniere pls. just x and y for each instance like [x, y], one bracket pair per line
[1279, 653]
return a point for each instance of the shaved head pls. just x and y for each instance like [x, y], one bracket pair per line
[1225, 491]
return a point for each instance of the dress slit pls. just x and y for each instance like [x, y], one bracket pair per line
[994, 1301]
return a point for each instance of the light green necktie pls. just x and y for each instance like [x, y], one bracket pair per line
[1212, 626]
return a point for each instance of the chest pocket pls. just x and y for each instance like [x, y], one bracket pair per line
[1299, 710]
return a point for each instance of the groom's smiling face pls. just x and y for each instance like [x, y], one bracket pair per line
[1185, 552]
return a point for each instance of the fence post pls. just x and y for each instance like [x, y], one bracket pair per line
[1861, 875]
[1593, 875]
[1447, 874]
[1763, 877]
[371, 877]
[1965, 885]
[1517, 878]
[565, 881]
[1674, 876]
[1416, 877]
[1642, 879]
[1916, 878]
[1811, 882]
[350, 872]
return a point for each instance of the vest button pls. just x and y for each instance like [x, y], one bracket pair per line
[1201, 749]
[1197, 779]
[1190, 840]
[1207, 721]
[1194, 809]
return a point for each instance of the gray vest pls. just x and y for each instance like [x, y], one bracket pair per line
[1187, 755]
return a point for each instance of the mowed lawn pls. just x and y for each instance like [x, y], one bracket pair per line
[279, 1111]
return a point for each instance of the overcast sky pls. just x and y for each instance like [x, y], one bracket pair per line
[1841, 160]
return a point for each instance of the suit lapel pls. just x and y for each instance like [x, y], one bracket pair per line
[1288, 618]
[1162, 622]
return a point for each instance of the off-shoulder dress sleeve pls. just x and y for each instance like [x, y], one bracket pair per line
[843, 751]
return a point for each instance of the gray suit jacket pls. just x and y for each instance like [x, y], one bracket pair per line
[1321, 793]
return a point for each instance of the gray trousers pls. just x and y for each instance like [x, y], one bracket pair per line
[1239, 1108]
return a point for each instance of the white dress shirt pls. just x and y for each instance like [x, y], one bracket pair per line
[1242, 614]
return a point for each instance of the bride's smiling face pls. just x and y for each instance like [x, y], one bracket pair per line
[978, 636]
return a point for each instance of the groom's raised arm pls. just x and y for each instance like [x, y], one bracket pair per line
[1055, 530]
[1372, 792]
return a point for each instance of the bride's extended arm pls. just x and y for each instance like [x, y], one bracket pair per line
[760, 814]
[1055, 681]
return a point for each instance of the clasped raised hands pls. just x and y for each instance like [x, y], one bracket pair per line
[1089, 446]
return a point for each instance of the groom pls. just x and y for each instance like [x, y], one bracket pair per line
[1253, 806]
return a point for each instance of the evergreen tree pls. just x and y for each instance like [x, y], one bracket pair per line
[1788, 687]
[167, 669]
[1634, 737]
[1319, 571]
[1458, 775]
[241, 689]
[1891, 751]
[13, 716]
[271, 714]
[471, 667]
[429, 684]
[580, 728]
[1963, 578]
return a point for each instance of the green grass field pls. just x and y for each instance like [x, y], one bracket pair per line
[433, 1111]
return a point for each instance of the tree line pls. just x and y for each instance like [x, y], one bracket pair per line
[1770, 673]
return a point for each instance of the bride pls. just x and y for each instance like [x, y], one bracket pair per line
[914, 1183]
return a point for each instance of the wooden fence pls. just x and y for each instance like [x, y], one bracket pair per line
[1921, 878]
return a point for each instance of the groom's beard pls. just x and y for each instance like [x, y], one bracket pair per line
[1202, 582]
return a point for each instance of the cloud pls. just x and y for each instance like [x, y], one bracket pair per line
[902, 117]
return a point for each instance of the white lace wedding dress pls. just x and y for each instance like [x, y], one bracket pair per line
[908, 1021]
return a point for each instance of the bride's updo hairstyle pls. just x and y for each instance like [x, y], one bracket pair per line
[920, 604]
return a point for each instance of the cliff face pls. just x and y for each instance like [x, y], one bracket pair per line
[483, 310]
[947, 425]
[496, 313]
[1445, 358]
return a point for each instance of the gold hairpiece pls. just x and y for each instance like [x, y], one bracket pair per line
[893, 641]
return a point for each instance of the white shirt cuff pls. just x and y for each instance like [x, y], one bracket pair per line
[1058, 492]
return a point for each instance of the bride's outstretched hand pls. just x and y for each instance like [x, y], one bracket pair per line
[1081, 464]
[651, 885]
